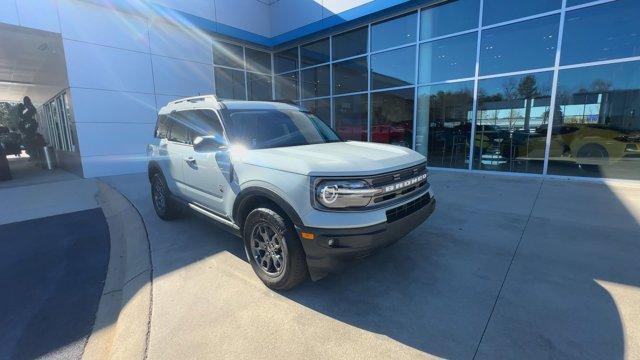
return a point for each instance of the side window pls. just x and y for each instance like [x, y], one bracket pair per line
[162, 127]
[205, 123]
[179, 130]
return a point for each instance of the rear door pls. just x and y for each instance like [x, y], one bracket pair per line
[178, 148]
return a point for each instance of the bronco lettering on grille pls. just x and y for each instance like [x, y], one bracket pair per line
[404, 184]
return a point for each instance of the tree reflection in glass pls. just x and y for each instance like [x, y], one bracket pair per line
[511, 123]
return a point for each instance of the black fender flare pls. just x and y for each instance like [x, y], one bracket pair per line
[153, 166]
[248, 193]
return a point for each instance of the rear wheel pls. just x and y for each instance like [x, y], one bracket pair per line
[163, 204]
[274, 249]
[591, 156]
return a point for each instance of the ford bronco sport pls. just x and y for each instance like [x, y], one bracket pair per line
[303, 200]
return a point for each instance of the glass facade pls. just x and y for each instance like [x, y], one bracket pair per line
[474, 90]
[241, 72]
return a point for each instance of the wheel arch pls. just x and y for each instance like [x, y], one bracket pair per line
[250, 197]
[153, 168]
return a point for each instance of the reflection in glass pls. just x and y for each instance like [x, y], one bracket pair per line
[601, 32]
[321, 108]
[520, 46]
[350, 116]
[315, 82]
[258, 61]
[394, 32]
[447, 59]
[286, 60]
[315, 53]
[286, 86]
[229, 84]
[350, 43]
[226, 54]
[511, 123]
[259, 86]
[392, 117]
[448, 18]
[596, 126]
[577, 2]
[496, 11]
[393, 68]
[350, 76]
[443, 126]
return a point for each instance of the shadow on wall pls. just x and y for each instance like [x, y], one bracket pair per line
[435, 290]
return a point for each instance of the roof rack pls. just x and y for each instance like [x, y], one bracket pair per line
[195, 99]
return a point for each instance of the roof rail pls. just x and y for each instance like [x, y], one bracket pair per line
[194, 99]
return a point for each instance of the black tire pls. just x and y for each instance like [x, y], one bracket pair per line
[166, 208]
[591, 152]
[284, 245]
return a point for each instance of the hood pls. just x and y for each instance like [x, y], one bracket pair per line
[335, 159]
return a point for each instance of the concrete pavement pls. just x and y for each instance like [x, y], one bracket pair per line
[507, 267]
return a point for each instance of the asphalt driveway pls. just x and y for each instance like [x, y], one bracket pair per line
[507, 267]
[52, 271]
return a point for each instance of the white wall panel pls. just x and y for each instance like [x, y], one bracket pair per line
[100, 139]
[104, 26]
[202, 8]
[102, 106]
[100, 67]
[94, 166]
[179, 77]
[9, 12]
[38, 14]
[249, 15]
[187, 43]
[283, 18]
[332, 7]
[163, 100]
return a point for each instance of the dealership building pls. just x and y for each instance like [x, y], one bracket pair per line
[535, 87]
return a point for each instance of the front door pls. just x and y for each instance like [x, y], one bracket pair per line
[205, 173]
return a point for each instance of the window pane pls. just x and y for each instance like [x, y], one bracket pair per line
[286, 60]
[229, 84]
[393, 68]
[596, 126]
[511, 124]
[394, 32]
[446, 59]
[443, 126]
[521, 46]
[350, 116]
[392, 117]
[258, 61]
[350, 76]
[287, 86]
[202, 123]
[602, 32]
[259, 86]
[321, 108]
[226, 54]
[315, 53]
[449, 18]
[315, 82]
[496, 11]
[350, 44]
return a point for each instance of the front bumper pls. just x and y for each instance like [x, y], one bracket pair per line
[331, 249]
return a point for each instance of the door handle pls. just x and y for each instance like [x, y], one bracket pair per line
[190, 159]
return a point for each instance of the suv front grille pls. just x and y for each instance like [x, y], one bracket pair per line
[409, 208]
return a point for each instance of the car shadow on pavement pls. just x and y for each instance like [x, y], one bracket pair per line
[504, 268]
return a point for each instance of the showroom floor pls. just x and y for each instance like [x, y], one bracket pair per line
[509, 267]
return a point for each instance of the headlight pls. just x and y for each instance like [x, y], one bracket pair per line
[340, 194]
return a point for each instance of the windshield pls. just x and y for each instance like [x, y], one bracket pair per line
[263, 129]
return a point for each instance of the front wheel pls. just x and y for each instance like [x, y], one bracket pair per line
[274, 249]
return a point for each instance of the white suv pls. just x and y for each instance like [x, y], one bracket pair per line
[303, 200]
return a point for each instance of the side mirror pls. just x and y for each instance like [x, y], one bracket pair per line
[205, 144]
